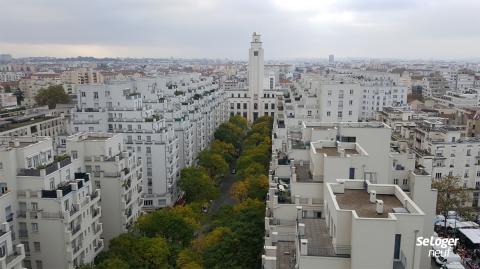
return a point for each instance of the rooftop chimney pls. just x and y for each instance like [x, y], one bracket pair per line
[379, 207]
[304, 247]
[373, 196]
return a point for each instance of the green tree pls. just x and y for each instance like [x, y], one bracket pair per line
[243, 247]
[214, 163]
[254, 169]
[230, 133]
[169, 224]
[139, 251]
[197, 185]
[114, 262]
[239, 121]
[52, 96]
[451, 196]
[257, 186]
[226, 150]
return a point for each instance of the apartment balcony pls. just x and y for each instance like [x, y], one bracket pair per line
[9, 217]
[315, 240]
[77, 248]
[128, 213]
[74, 209]
[13, 259]
[99, 246]
[95, 194]
[98, 228]
[76, 229]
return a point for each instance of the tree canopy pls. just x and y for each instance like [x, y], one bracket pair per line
[170, 223]
[214, 164]
[451, 196]
[197, 185]
[52, 96]
[132, 251]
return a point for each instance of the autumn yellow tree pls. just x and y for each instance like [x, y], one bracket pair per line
[239, 191]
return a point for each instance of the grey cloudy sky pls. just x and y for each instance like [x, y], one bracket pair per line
[222, 28]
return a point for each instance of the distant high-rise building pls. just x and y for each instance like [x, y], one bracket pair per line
[331, 59]
[255, 71]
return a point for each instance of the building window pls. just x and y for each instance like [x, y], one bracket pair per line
[255, 106]
[95, 95]
[438, 175]
[395, 181]
[328, 113]
[245, 106]
[266, 106]
[74, 154]
[272, 106]
[255, 53]
[35, 227]
[238, 105]
[36, 246]
[148, 202]
[340, 114]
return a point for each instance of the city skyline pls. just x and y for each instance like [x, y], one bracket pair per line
[216, 29]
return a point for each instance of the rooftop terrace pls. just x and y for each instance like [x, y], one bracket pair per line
[359, 200]
[334, 151]
[319, 240]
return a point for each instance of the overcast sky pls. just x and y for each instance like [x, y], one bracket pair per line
[222, 28]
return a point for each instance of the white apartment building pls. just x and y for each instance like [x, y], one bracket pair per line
[7, 100]
[309, 214]
[327, 100]
[55, 204]
[11, 253]
[260, 97]
[444, 151]
[379, 90]
[459, 99]
[116, 172]
[166, 121]
[11, 76]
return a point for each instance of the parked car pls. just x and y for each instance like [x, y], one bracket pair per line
[452, 257]
[453, 265]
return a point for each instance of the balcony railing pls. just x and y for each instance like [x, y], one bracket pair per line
[94, 195]
[76, 229]
[96, 211]
[98, 246]
[74, 209]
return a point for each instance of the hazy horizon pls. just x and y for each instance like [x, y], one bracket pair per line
[215, 29]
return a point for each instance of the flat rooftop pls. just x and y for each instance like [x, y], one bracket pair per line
[333, 151]
[101, 138]
[319, 240]
[7, 127]
[285, 255]
[303, 173]
[359, 200]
